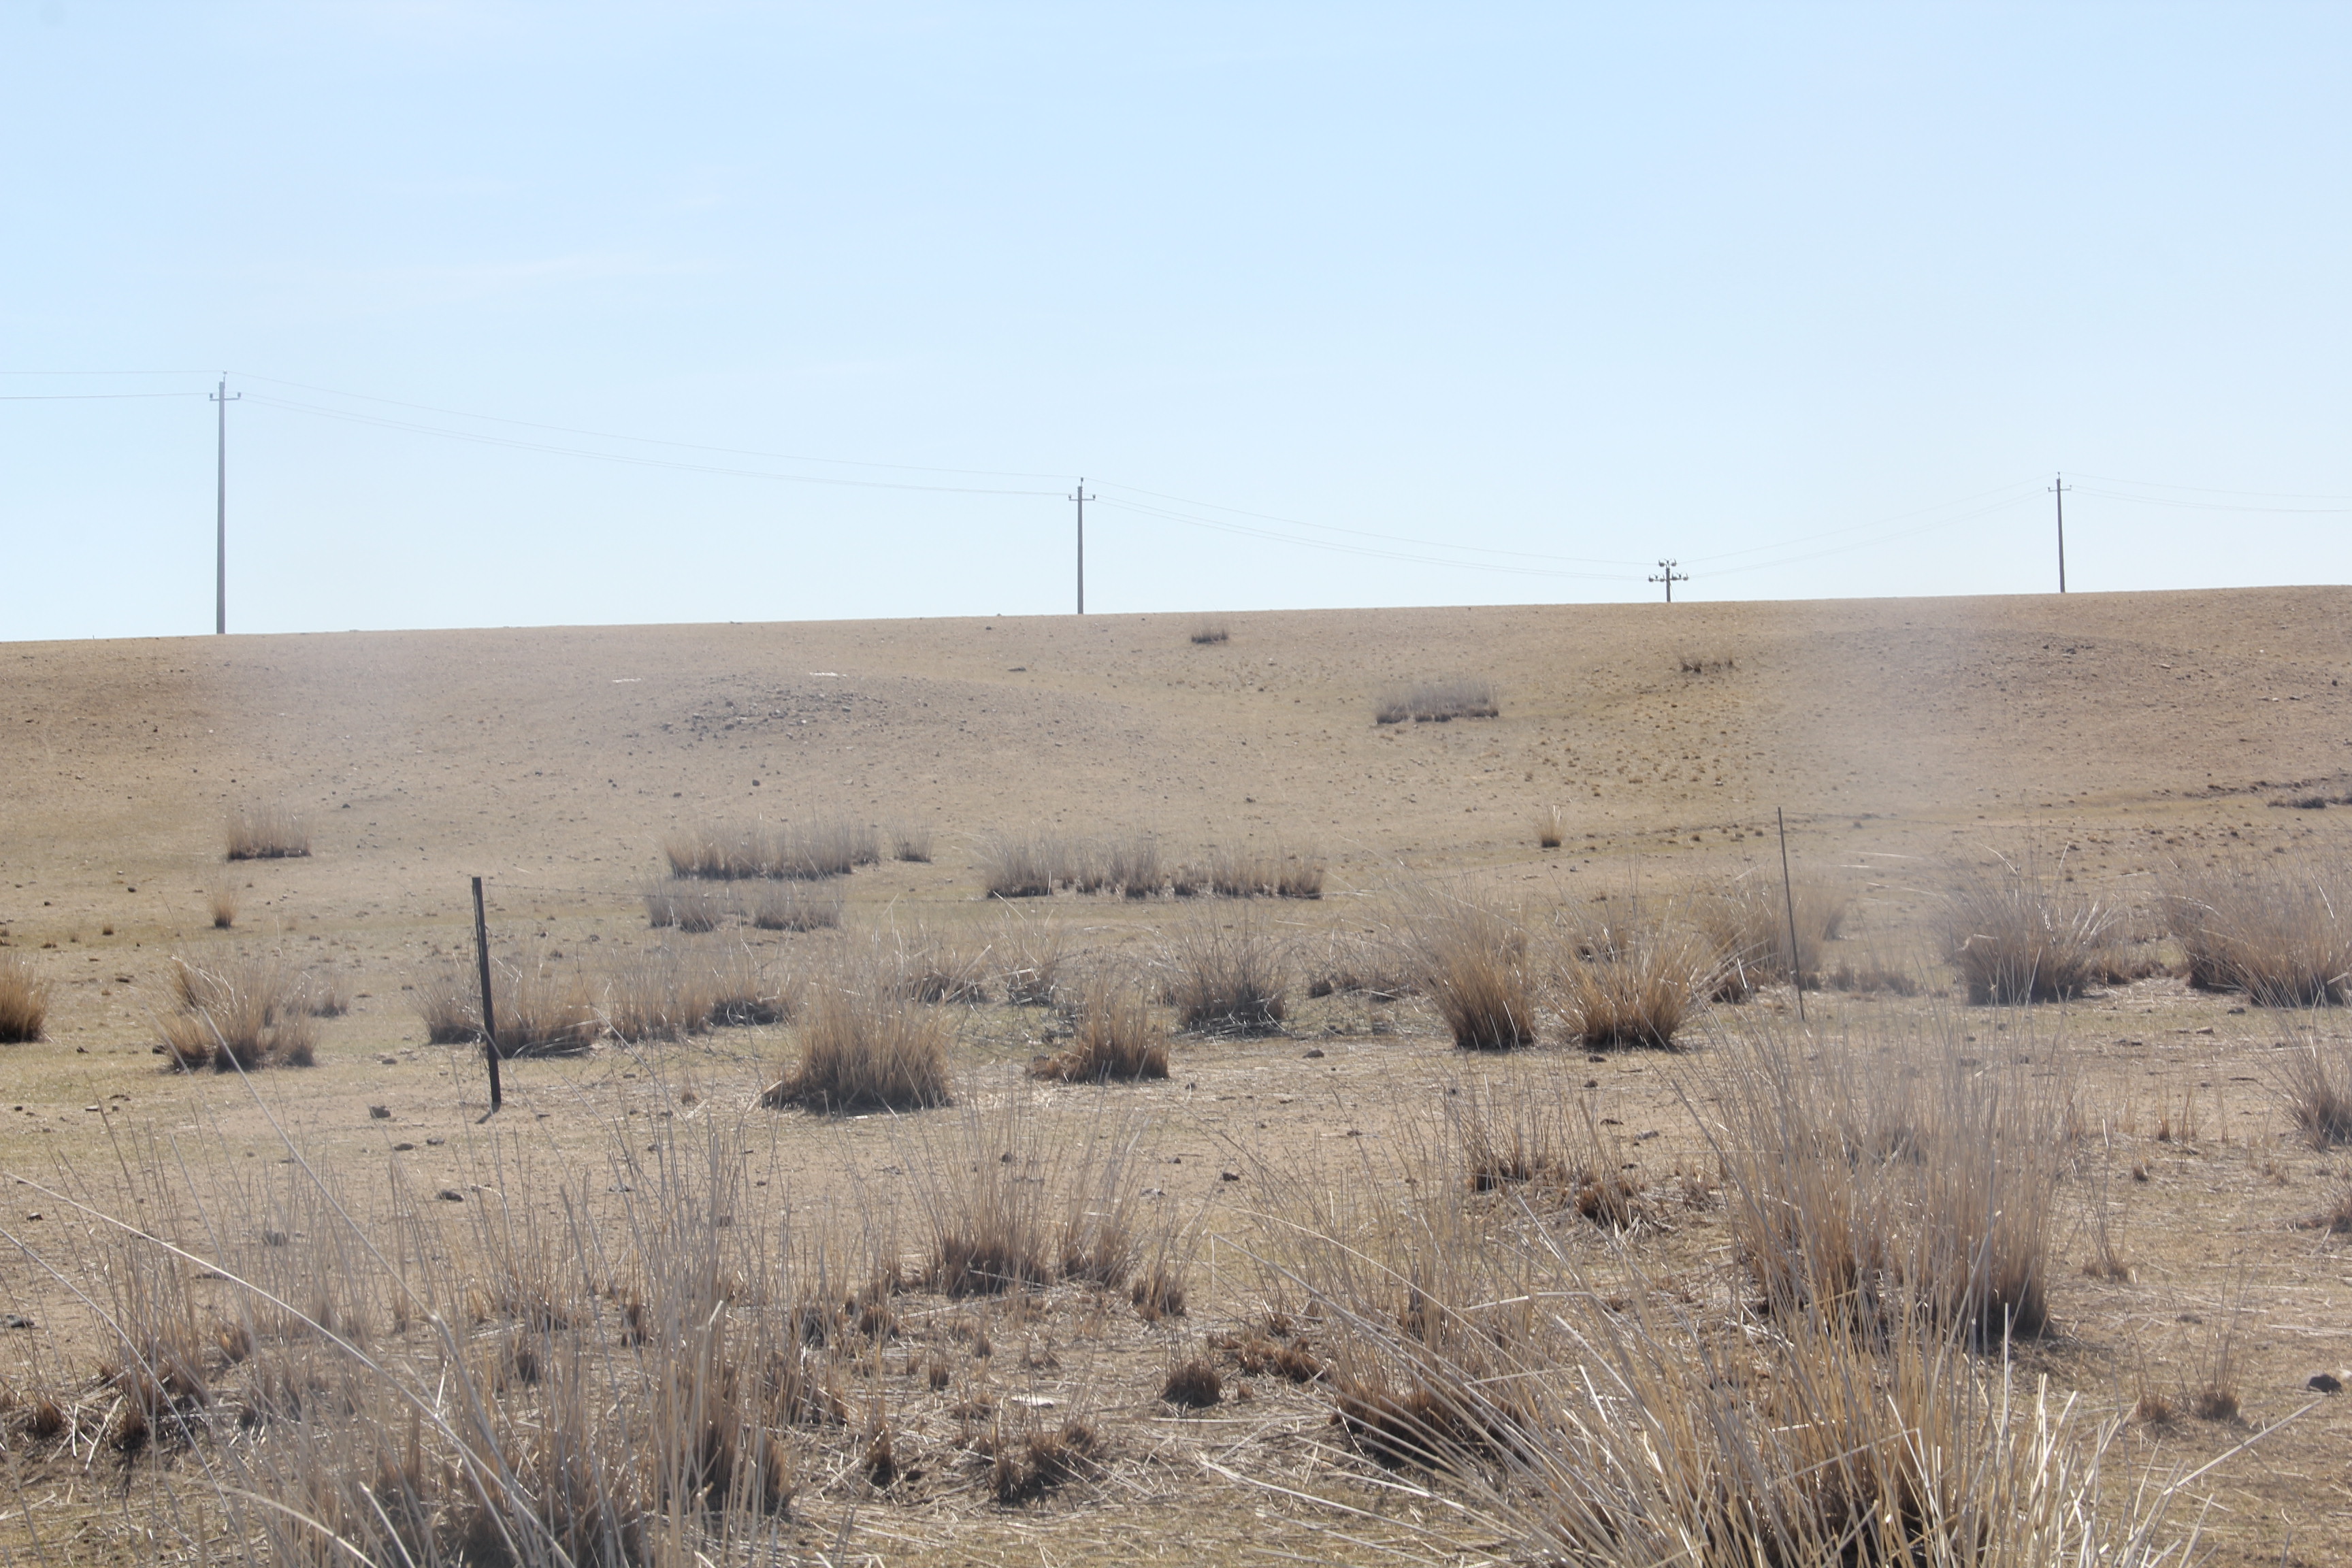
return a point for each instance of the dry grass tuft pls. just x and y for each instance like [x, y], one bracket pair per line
[542, 1010]
[795, 906]
[1194, 1383]
[221, 904]
[1210, 631]
[910, 841]
[865, 1044]
[1158, 1292]
[2017, 934]
[1632, 982]
[739, 851]
[1748, 924]
[1551, 827]
[940, 966]
[1436, 703]
[1031, 957]
[266, 831]
[2318, 1094]
[2280, 934]
[1112, 1036]
[1022, 865]
[23, 1000]
[1471, 961]
[1271, 873]
[688, 905]
[243, 1010]
[1228, 977]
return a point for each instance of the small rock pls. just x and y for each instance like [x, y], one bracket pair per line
[451, 1196]
[389, 1060]
[16, 1321]
[435, 1142]
[1229, 1176]
[402, 1148]
[2321, 1382]
[1314, 1055]
[380, 1113]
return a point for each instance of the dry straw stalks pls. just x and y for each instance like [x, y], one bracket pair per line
[2280, 934]
[865, 1041]
[266, 831]
[2018, 932]
[23, 1000]
[1436, 703]
[1862, 1410]
[1037, 863]
[741, 851]
[246, 1010]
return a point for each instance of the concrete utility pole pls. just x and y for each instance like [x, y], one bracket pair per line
[2059, 489]
[220, 513]
[1080, 496]
[1668, 575]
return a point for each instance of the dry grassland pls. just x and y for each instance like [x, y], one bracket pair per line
[1374, 1119]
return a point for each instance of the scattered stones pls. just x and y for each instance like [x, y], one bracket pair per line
[380, 1113]
[451, 1196]
[16, 1321]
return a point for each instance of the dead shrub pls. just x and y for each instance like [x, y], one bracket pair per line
[1360, 961]
[1023, 1468]
[649, 996]
[910, 841]
[239, 1011]
[864, 1045]
[1543, 1153]
[266, 831]
[1227, 977]
[1030, 958]
[2018, 935]
[23, 1000]
[1271, 873]
[1209, 631]
[795, 906]
[1551, 827]
[1436, 703]
[1112, 1036]
[941, 966]
[220, 903]
[2282, 934]
[1471, 961]
[1158, 1292]
[744, 992]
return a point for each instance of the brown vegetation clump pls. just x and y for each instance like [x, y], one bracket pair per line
[1031, 957]
[1112, 1037]
[1022, 865]
[220, 902]
[1632, 982]
[539, 1010]
[266, 831]
[1273, 873]
[1227, 977]
[2282, 935]
[2318, 1094]
[910, 841]
[687, 905]
[1436, 703]
[1210, 631]
[239, 1011]
[23, 1000]
[1551, 827]
[1749, 924]
[795, 906]
[654, 995]
[865, 1044]
[1471, 962]
[2017, 934]
[939, 966]
[739, 851]
[1194, 1383]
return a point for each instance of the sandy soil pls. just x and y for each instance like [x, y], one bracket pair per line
[2127, 731]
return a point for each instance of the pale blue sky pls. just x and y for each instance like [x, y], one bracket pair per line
[1595, 285]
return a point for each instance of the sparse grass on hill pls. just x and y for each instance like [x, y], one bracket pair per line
[23, 1000]
[1436, 703]
[268, 830]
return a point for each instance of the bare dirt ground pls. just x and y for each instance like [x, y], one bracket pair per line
[2129, 732]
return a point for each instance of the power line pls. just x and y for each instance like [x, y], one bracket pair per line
[86, 396]
[1338, 548]
[1668, 575]
[1365, 534]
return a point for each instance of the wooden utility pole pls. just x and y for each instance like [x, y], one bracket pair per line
[489, 1019]
[1080, 496]
[2059, 489]
[1668, 575]
[220, 513]
[1788, 893]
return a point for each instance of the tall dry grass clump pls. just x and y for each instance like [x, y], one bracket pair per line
[1269, 872]
[1749, 924]
[239, 1011]
[1631, 980]
[2017, 932]
[2280, 933]
[910, 841]
[1211, 630]
[687, 905]
[795, 906]
[1113, 1036]
[268, 830]
[1470, 960]
[2317, 1085]
[541, 1008]
[825, 846]
[220, 903]
[1022, 864]
[1437, 701]
[23, 1000]
[865, 1042]
[1032, 958]
[1227, 977]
